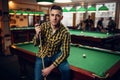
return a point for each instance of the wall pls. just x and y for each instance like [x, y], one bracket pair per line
[21, 20]
[18, 20]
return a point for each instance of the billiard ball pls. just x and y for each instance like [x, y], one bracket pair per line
[84, 55]
[107, 33]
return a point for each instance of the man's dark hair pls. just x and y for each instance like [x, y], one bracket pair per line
[56, 7]
[110, 18]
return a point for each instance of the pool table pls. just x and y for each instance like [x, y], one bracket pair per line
[90, 38]
[98, 64]
[23, 33]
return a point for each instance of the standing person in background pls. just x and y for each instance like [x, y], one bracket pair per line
[111, 25]
[89, 23]
[100, 26]
[55, 40]
[79, 25]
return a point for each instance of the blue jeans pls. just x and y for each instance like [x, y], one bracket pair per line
[63, 67]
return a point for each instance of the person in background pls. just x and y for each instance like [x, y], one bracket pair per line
[100, 26]
[89, 23]
[55, 45]
[111, 25]
[79, 25]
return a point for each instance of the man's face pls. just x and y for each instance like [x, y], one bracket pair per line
[55, 17]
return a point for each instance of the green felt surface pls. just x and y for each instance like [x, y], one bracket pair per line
[90, 34]
[96, 61]
[22, 28]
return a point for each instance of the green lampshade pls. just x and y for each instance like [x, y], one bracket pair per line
[37, 13]
[42, 13]
[81, 10]
[91, 9]
[25, 13]
[45, 2]
[65, 10]
[31, 13]
[18, 12]
[72, 10]
[11, 12]
[103, 8]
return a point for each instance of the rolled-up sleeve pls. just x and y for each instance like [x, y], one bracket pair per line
[36, 41]
[65, 49]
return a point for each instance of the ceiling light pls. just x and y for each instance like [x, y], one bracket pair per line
[103, 8]
[18, 12]
[11, 12]
[65, 10]
[37, 13]
[45, 2]
[73, 10]
[31, 13]
[91, 9]
[42, 13]
[62, 1]
[81, 10]
[25, 13]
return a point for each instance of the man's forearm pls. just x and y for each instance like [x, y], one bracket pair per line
[37, 36]
[51, 67]
[36, 40]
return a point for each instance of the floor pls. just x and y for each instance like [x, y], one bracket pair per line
[10, 70]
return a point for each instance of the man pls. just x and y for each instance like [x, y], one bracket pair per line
[55, 39]
[111, 25]
[79, 25]
[100, 25]
[89, 24]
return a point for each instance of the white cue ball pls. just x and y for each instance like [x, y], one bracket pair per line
[84, 55]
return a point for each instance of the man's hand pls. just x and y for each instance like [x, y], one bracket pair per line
[37, 29]
[46, 71]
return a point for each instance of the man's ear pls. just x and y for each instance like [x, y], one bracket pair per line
[61, 17]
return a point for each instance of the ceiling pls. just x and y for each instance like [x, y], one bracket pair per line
[73, 1]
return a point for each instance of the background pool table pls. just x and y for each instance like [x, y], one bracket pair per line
[89, 33]
[98, 63]
[90, 38]
[23, 33]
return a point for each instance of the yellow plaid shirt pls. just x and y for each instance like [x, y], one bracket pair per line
[53, 43]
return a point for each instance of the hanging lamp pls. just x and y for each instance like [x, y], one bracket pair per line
[18, 12]
[91, 9]
[103, 8]
[31, 13]
[73, 10]
[63, 1]
[45, 2]
[81, 10]
[11, 12]
[42, 13]
[25, 13]
[65, 10]
[37, 13]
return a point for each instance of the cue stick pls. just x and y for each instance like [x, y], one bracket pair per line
[41, 51]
